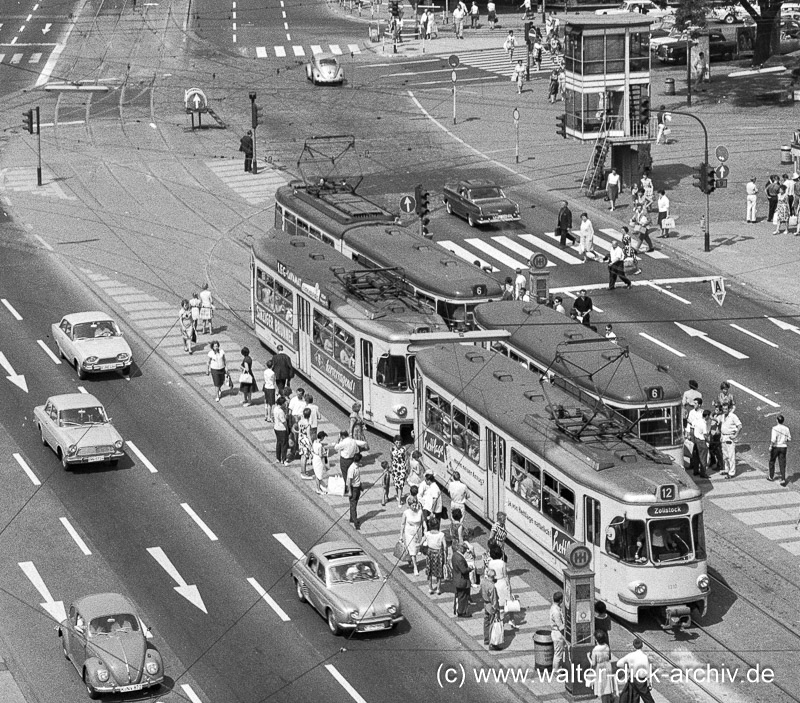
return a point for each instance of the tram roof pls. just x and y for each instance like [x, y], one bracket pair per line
[426, 265]
[596, 364]
[338, 202]
[514, 400]
[374, 307]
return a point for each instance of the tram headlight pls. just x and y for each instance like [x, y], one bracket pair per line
[703, 583]
[639, 588]
[401, 410]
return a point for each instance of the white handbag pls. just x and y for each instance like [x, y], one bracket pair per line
[512, 605]
[336, 486]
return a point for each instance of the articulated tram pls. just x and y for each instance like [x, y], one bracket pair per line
[564, 473]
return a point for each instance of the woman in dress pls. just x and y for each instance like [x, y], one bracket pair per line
[498, 532]
[605, 683]
[435, 542]
[319, 460]
[206, 310]
[187, 328]
[217, 367]
[398, 467]
[586, 246]
[412, 531]
[303, 428]
[415, 469]
[357, 424]
[631, 261]
[246, 378]
[782, 212]
[503, 584]
[194, 304]
[269, 391]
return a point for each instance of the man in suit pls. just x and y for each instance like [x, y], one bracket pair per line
[284, 371]
[491, 604]
[461, 581]
[564, 225]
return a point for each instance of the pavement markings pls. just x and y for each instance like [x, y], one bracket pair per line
[518, 248]
[335, 49]
[316, 49]
[256, 189]
[354, 48]
[81, 389]
[74, 534]
[152, 469]
[281, 613]
[200, 523]
[261, 52]
[655, 286]
[754, 335]
[43, 243]
[496, 254]
[344, 683]
[298, 51]
[288, 542]
[189, 591]
[553, 250]
[754, 394]
[662, 345]
[786, 326]
[11, 309]
[462, 253]
[496, 60]
[27, 469]
[616, 234]
[700, 334]
[190, 694]
[55, 608]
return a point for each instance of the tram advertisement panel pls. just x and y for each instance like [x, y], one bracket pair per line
[472, 476]
[336, 372]
[523, 514]
[434, 447]
[279, 327]
[561, 543]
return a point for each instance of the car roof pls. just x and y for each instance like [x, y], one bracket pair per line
[69, 401]
[331, 551]
[101, 604]
[477, 182]
[91, 316]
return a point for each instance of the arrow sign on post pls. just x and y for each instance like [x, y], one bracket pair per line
[692, 332]
[190, 593]
[54, 608]
[17, 379]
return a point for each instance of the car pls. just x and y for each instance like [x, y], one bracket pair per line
[645, 7]
[324, 68]
[729, 14]
[720, 49]
[480, 202]
[345, 585]
[92, 343]
[674, 37]
[75, 426]
[106, 641]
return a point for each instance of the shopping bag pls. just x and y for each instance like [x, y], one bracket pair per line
[629, 265]
[793, 221]
[497, 635]
[512, 605]
[399, 548]
[336, 486]
[668, 223]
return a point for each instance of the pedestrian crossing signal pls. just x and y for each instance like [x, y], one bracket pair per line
[561, 126]
[27, 121]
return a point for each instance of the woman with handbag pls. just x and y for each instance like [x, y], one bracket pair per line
[186, 323]
[246, 380]
[319, 461]
[412, 531]
[605, 683]
[434, 543]
[508, 604]
[631, 261]
[399, 467]
[217, 367]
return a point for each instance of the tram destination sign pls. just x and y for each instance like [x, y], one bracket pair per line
[668, 510]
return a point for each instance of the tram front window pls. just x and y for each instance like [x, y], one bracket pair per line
[455, 314]
[670, 540]
[627, 540]
[659, 427]
[392, 372]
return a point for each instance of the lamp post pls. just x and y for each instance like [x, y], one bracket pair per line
[515, 114]
[254, 123]
[707, 223]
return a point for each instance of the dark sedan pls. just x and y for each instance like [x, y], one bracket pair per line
[720, 48]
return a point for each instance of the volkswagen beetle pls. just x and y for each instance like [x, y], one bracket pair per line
[324, 68]
[92, 342]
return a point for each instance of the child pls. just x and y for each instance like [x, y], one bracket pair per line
[387, 481]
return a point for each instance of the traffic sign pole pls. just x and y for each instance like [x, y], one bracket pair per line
[255, 133]
[454, 95]
[515, 114]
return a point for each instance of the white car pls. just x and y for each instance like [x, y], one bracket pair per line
[728, 14]
[644, 7]
[92, 343]
[324, 68]
[674, 37]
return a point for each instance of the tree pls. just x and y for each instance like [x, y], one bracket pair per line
[691, 12]
[767, 28]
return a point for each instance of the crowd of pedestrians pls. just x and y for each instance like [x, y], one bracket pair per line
[783, 207]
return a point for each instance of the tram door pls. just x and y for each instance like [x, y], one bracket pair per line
[304, 341]
[495, 474]
[366, 374]
[592, 531]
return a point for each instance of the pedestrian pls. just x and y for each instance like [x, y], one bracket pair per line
[771, 189]
[508, 289]
[602, 620]
[284, 371]
[304, 444]
[730, 427]
[586, 245]
[518, 76]
[434, 543]
[432, 28]
[630, 261]
[583, 308]
[778, 445]
[700, 71]
[269, 391]
[386, 481]
[610, 335]
[663, 213]
[558, 305]
[491, 609]
[616, 266]
[537, 52]
[353, 482]
[662, 121]
[791, 186]
[217, 367]
[461, 581]
[638, 673]
[612, 188]
[474, 15]
[752, 200]
[206, 310]
[194, 304]
[297, 403]
[458, 22]
[415, 470]
[348, 448]
[458, 493]
[781, 217]
[519, 282]
[604, 684]
[246, 378]
[564, 224]
[281, 428]
[646, 184]
[510, 44]
[246, 146]
[502, 583]
[725, 395]
[552, 87]
[188, 334]
[715, 460]
[430, 496]
[491, 13]
[423, 24]
[557, 630]
[700, 426]
[688, 400]
[498, 533]
[562, 83]
[412, 530]
[399, 468]
[456, 531]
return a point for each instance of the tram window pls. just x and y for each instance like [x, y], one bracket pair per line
[455, 315]
[302, 227]
[279, 216]
[699, 536]
[289, 222]
[265, 286]
[466, 433]
[519, 359]
[670, 539]
[591, 512]
[323, 332]
[437, 414]
[558, 503]
[283, 302]
[391, 372]
[625, 540]
[366, 358]
[426, 300]
[344, 348]
[500, 348]
[412, 369]
[656, 426]
[526, 479]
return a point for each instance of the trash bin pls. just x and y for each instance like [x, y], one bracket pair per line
[543, 649]
[786, 154]
[669, 86]
[374, 31]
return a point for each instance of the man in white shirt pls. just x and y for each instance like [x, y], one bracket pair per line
[458, 493]
[752, 199]
[778, 444]
[663, 213]
[313, 420]
[297, 404]
[699, 421]
[638, 672]
[348, 449]
[616, 267]
[729, 430]
[557, 630]
[610, 334]
[430, 497]
[689, 397]
[558, 306]
[519, 282]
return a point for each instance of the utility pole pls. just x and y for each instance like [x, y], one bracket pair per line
[689, 73]
[707, 224]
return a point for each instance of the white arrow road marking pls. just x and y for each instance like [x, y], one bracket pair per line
[47, 351]
[189, 592]
[692, 332]
[17, 379]
[667, 292]
[662, 345]
[152, 469]
[74, 534]
[55, 608]
[754, 394]
[344, 683]
[190, 694]
[27, 469]
[288, 542]
[11, 309]
[786, 326]
[202, 525]
[46, 28]
[269, 599]
[754, 335]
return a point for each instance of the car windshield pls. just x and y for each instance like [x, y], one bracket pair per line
[99, 328]
[111, 624]
[82, 416]
[328, 62]
[365, 570]
[486, 192]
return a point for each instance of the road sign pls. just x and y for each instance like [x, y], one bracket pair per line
[722, 154]
[453, 61]
[539, 261]
[453, 76]
[718, 289]
[722, 183]
[722, 171]
[195, 100]
[408, 204]
[580, 556]
[515, 114]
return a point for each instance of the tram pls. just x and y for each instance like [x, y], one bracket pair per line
[345, 329]
[564, 473]
[592, 368]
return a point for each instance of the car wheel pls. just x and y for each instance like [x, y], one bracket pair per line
[298, 587]
[730, 19]
[41, 434]
[94, 695]
[63, 459]
[333, 626]
[79, 370]
[471, 221]
[448, 207]
[60, 351]
[313, 80]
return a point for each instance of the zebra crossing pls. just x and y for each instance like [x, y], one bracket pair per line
[496, 60]
[513, 251]
[26, 57]
[298, 51]
[256, 189]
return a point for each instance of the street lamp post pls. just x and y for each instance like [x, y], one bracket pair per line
[707, 224]
[516, 133]
[255, 128]
[688, 72]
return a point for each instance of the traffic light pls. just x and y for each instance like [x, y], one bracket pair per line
[701, 177]
[418, 199]
[425, 221]
[394, 8]
[528, 26]
[644, 111]
[561, 126]
[423, 209]
[257, 114]
[27, 121]
[711, 179]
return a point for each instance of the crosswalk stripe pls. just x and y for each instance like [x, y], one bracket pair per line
[298, 51]
[316, 49]
[280, 52]
[462, 253]
[354, 48]
[335, 50]
[261, 52]
[517, 248]
[35, 58]
[2, 56]
[16, 58]
[615, 234]
[497, 61]
[495, 253]
[550, 249]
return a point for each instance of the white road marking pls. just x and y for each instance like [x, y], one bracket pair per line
[551, 249]
[423, 73]
[662, 345]
[754, 394]
[461, 81]
[55, 608]
[517, 248]
[785, 326]
[234, 28]
[11, 309]
[27, 469]
[152, 469]
[286, 26]
[615, 234]
[200, 523]
[36, 236]
[288, 542]
[316, 49]
[354, 48]
[335, 49]
[344, 683]
[189, 591]
[462, 253]
[261, 52]
[269, 600]
[280, 52]
[298, 50]
[190, 694]
[74, 534]
[692, 332]
[667, 292]
[47, 351]
[81, 389]
[28, 18]
[495, 253]
[754, 335]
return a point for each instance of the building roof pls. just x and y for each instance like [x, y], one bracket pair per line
[627, 19]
